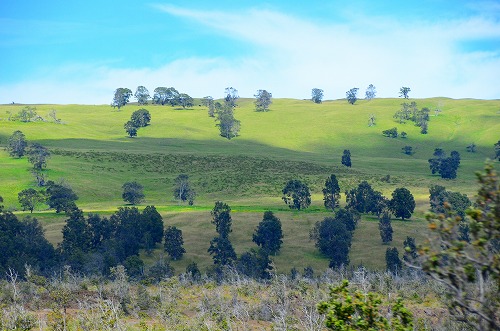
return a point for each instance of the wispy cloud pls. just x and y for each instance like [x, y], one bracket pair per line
[289, 55]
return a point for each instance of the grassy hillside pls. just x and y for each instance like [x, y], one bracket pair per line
[295, 139]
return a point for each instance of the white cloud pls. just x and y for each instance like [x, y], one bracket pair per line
[292, 55]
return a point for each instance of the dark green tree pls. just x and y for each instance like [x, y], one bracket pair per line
[371, 92]
[229, 126]
[317, 95]
[17, 144]
[222, 251]
[61, 197]
[121, 97]
[408, 150]
[131, 129]
[221, 218]
[142, 95]
[391, 133]
[404, 91]
[331, 193]
[296, 195]
[352, 95]
[365, 199]
[151, 225]
[185, 100]
[402, 203]
[37, 156]
[349, 217]
[183, 190]
[193, 271]
[29, 198]
[255, 264]
[134, 266]
[333, 239]
[140, 118]
[392, 260]
[173, 243]
[346, 158]
[133, 193]
[262, 100]
[385, 227]
[268, 234]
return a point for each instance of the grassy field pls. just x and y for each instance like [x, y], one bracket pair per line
[295, 139]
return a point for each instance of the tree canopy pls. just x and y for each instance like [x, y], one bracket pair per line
[402, 203]
[268, 234]
[262, 100]
[317, 95]
[17, 144]
[296, 195]
[352, 95]
[121, 97]
[142, 95]
[133, 193]
[331, 193]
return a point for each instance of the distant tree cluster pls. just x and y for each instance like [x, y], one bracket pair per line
[410, 112]
[161, 96]
[445, 166]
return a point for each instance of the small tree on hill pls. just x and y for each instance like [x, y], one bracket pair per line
[131, 129]
[30, 198]
[392, 260]
[385, 227]
[37, 156]
[121, 97]
[222, 251]
[173, 243]
[142, 95]
[133, 193]
[333, 239]
[404, 91]
[352, 95]
[262, 100]
[296, 195]
[371, 92]
[61, 197]
[346, 158]
[140, 118]
[391, 133]
[229, 126]
[208, 102]
[268, 235]
[17, 144]
[402, 203]
[183, 190]
[317, 95]
[221, 214]
[331, 193]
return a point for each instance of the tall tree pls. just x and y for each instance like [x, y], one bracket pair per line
[331, 193]
[229, 126]
[160, 96]
[29, 198]
[221, 218]
[61, 197]
[268, 234]
[385, 227]
[208, 102]
[133, 193]
[371, 92]
[130, 128]
[140, 118]
[333, 240]
[231, 96]
[392, 260]
[37, 156]
[151, 227]
[142, 95]
[404, 91]
[173, 243]
[262, 100]
[17, 144]
[317, 95]
[296, 195]
[349, 217]
[183, 190]
[402, 203]
[185, 100]
[121, 97]
[352, 95]
[365, 199]
[222, 251]
[346, 158]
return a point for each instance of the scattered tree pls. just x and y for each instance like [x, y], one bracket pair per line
[37, 156]
[27, 114]
[185, 100]
[346, 158]
[173, 243]
[140, 118]
[349, 217]
[255, 264]
[471, 148]
[364, 199]
[352, 95]
[165, 96]
[402, 203]
[133, 193]
[121, 97]
[221, 218]
[231, 96]
[131, 129]
[331, 193]
[208, 102]
[317, 95]
[371, 120]
[17, 144]
[29, 199]
[262, 100]
[229, 126]
[268, 234]
[296, 195]
[183, 190]
[61, 196]
[392, 260]
[445, 166]
[391, 133]
[333, 240]
[403, 134]
[385, 227]
[142, 95]
[222, 251]
[408, 150]
[404, 91]
[370, 92]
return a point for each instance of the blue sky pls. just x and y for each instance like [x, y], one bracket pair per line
[81, 51]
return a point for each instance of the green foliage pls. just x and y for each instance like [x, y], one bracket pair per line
[208, 102]
[497, 150]
[333, 240]
[30, 198]
[404, 91]
[262, 100]
[142, 95]
[185, 100]
[121, 97]
[351, 95]
[317, 95]
[133, 193]
[173, 243]
[402, 203]
[470, 271]
[385, 227]
[37, 156]
[445, 166]
[365, 199]
[255, 264]
[165, 96]
[268, 235]
[349, 217]
[17, 144]
[134, 266]
[408, 150]
[140, 118]
[61, 197]
[391, 133]
[296, 195]
[371, 92]
[222, 251]
[229, 127]
[392, 260]
[331, 193]
[439, 196]
[410, 250]
[221, 218]
[231, 96]
[27, 114]
[131, 129]
[346, 158]
[348, 310]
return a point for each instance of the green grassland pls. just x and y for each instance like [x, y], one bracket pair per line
[295, 139]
